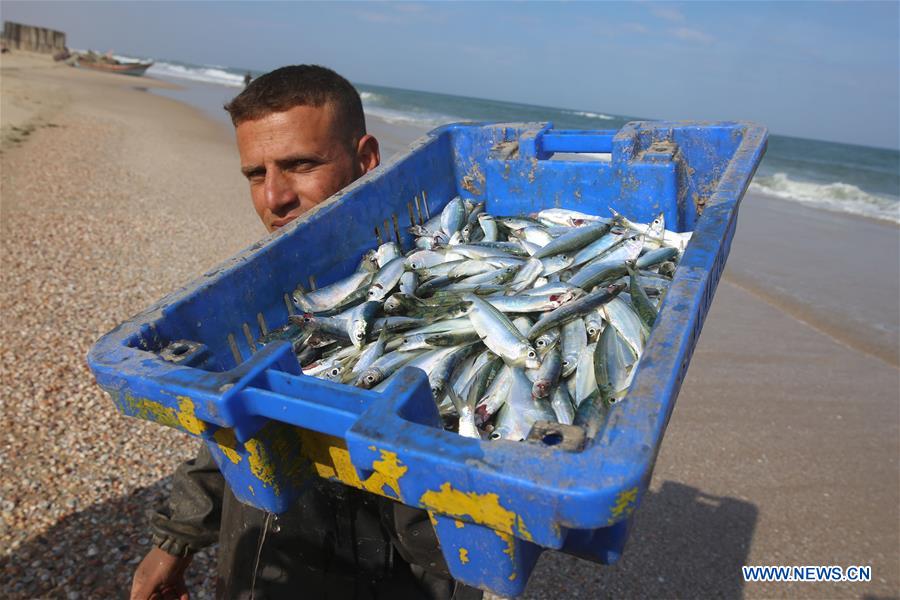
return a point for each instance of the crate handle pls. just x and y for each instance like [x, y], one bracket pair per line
[320, 405]
[576, 140]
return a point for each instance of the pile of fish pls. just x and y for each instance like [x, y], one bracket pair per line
[515, 319]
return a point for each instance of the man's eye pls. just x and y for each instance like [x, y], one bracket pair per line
[302, 165]
[256, 178]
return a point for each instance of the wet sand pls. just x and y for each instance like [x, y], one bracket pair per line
[783, 447]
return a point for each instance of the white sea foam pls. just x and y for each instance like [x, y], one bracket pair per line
[127, 59]
[369, 97]
[420, 119]
[591, 115]
[204, 74]
[837, 197]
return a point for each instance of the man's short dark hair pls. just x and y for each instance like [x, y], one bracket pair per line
[300, 85]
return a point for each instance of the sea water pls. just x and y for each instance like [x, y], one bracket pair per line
[837, 177]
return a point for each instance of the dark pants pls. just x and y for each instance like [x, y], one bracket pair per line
[336, 542]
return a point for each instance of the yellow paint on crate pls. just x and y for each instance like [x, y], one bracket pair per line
[331, 460]
[625, 503]
[390, 471]
[484, 509]
[510, 551]
[459, 524]
[142, 408]
[463, 555]
[510, 544]
[260, 464]
[227, 444]
[150, 410]
[187, 418]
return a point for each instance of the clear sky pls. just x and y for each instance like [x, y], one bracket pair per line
[818, 70]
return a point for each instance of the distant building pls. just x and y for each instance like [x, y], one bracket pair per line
[17, 36]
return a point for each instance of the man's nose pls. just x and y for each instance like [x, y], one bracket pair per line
[279, 192]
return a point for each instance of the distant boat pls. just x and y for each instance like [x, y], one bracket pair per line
[130, 68]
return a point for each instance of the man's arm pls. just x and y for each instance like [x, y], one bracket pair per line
[190, 519]
[188, 522]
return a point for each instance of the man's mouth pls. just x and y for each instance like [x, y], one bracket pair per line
[277, 223]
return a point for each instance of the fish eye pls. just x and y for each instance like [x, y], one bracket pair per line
[359, 335]
[495, 435]
[335, 371]
[531, 354]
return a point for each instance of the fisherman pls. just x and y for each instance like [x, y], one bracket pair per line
[247, 79]
[301, 137]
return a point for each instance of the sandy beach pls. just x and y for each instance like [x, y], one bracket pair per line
[783, 448]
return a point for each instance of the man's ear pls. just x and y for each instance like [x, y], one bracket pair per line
[368, 155]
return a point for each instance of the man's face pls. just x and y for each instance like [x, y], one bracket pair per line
[296, 159]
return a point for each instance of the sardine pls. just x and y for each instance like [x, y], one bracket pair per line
[521, 410]
[500, 335]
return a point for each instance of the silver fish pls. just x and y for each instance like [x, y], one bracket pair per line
[521, 410]
[466, 412]
[568, 218]
[360, 322]
[585, 378]
[426, 258]
[530, 303]
[574, 309]
[453, 217]
[593, 322]
[372, 352]
[561, 403]
[627, 323]
[600, 247]
[548, 373]
[409, 281]
[495, 396]
[386, 253]
[574, 240]
[383, 367]
[556, 263]
[488, 226]
[526, 275]
[534, 235]
[326, 298]
[546, 340]
[387, 279]
[573, 338]
[500, 335]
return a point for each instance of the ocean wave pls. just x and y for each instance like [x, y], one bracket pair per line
[591, 115]
[204, 74]
[836, 197]
[127, 59]
[370, 97]
[419, 119]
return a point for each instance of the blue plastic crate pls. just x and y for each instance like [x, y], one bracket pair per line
[191, 362]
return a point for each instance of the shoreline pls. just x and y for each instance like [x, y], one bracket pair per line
[810, 206]
[216, 95]
[782, 449]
